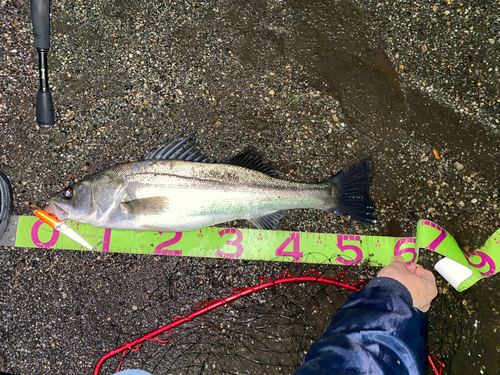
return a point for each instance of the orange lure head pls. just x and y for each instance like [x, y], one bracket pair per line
[47, 218]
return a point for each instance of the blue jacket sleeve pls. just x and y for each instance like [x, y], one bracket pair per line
[377, 331]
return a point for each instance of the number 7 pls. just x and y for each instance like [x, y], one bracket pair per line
[440, 238]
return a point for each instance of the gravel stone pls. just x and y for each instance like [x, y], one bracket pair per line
[314, 85]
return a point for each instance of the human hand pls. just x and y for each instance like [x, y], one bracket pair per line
[420, 282]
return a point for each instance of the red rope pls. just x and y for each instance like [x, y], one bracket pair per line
[431, 358]
[203, 307]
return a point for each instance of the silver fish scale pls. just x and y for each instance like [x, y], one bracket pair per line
[161, 176]
[197, 195]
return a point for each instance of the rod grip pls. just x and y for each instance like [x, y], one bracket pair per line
[41, 23]
[44, 109]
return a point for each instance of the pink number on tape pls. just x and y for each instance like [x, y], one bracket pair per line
[36, 240]
[411, 249]
[236, 243]
[485, 259]
[295, 253]
[160, 249]
[342, 247]
[440, 238]
[106, 240]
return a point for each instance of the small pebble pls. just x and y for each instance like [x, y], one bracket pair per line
[459, 166]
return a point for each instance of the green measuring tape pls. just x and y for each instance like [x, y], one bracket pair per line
[461, 270]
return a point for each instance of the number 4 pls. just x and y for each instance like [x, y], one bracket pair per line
[295, 253]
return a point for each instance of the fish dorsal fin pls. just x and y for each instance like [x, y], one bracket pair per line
[268, 222]
[180, 149]
[251, 159]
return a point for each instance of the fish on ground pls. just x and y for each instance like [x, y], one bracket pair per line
[176, 188]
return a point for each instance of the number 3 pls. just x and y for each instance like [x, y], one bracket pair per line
[236, 243]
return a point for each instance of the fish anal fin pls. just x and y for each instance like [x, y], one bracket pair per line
[251, 159]
[268, 222]
[146, 206]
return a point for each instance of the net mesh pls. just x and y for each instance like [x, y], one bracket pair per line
[267, 332]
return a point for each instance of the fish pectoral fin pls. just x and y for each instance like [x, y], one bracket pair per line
[268, 222]
[146, 206]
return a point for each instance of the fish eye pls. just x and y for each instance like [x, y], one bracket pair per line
[68, 193]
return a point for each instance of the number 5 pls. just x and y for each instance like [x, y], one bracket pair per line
[342, 247]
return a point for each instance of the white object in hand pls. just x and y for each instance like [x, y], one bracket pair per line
[454, 272]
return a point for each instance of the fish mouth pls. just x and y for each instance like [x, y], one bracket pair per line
[56, 210]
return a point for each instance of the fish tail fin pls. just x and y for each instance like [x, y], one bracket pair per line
[351, 193]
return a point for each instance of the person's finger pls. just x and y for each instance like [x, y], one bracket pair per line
[412, 268]
[422, 272]
[425, 308]
[417, 270]
[397, 259]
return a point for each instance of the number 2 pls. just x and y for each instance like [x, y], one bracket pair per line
[160, 249]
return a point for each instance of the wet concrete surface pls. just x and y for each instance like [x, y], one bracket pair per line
[314, 85]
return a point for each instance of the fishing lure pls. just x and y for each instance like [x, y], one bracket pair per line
[61, 227]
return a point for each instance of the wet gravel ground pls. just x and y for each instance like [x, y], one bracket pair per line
[315, 85]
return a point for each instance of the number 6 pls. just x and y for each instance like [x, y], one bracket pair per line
[412, 250]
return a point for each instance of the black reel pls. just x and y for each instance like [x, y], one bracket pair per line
[6, 203]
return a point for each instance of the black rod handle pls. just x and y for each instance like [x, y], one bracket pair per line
[41, 23]
[44, 109]
[41, 30]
